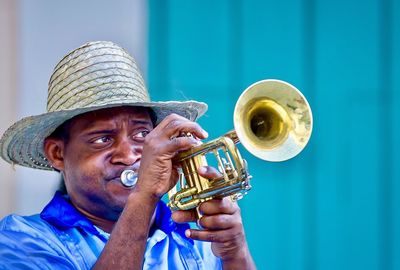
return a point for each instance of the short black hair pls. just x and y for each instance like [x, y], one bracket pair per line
[62, 131]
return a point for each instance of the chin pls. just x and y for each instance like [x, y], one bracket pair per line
[113, 209]
[119, 199]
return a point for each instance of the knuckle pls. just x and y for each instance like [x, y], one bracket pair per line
[207, 222]
[227, 206]
[173, 124]
[237, 223]
[203, 222]
[204, 207]
[238, 235]
[217, 222]
[212, 237]
[237, 209]
[171, 117]
[174, 140]
[177, 142]
[149, 143]
[148, 139]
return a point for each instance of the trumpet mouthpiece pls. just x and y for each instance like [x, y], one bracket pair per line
[129, 178]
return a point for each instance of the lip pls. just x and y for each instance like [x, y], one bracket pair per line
[117, 176]
[118, 181]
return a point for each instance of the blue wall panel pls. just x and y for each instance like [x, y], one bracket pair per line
[335, 206]
[395, 142]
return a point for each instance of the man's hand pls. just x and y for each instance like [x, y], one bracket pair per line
[222, 225]
[157, 175]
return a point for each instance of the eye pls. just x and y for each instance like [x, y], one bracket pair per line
[102, 140]
[141, 134]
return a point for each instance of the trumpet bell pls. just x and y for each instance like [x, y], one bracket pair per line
[273, 120]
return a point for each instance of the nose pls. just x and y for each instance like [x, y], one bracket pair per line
[126, 152]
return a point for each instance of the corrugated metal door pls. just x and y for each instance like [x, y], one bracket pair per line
[336, 206]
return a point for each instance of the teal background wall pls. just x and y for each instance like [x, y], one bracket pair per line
[336, 206]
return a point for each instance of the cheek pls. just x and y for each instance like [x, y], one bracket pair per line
[88, 175]
[84, 171]
[87, 181]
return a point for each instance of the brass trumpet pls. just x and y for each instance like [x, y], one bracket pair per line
[272, 120]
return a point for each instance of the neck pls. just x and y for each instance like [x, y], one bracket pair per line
[105, 224]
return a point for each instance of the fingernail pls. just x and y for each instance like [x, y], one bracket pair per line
[202, 170]
[205, 133]
[196, 142]
[187, 233]
[173, 216]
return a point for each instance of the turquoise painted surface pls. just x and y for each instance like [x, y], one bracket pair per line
[336, 206]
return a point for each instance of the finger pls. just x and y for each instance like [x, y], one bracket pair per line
[182, 216]
[219, 206]
[174, 125]
[214, 236]
[219, 222]
[177, 144]
[209, 172]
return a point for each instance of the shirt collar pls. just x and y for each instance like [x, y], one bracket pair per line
[164, 222]
[60, 213]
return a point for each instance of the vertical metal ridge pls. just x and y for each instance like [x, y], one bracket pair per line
[236, 37]
[309, 192]
[386, 137]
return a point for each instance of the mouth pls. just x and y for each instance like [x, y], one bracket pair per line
[117, 182]
[116, 176]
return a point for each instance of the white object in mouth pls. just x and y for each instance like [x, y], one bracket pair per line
[129, 178]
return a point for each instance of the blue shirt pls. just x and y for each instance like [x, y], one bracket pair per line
[62, 238]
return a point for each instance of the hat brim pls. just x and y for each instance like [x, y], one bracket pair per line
[22, 143]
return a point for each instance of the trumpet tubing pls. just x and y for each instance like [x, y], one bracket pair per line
[272, 120]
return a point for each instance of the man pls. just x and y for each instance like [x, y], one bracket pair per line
[100, 122]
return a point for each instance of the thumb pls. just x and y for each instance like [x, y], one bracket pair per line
[183, 216]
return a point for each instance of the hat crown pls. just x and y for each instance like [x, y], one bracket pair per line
[95, 74]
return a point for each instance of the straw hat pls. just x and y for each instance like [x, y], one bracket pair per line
[94, 76]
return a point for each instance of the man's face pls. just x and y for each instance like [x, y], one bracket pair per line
[101, 145]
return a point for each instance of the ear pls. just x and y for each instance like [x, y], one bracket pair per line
[54, 151]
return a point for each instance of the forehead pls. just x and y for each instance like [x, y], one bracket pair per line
[110, 115]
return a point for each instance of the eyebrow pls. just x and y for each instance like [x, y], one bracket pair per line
[141, 122]
[133, 122]
[101, 131]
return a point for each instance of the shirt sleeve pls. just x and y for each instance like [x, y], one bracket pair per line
[210, 260]
[19, 250]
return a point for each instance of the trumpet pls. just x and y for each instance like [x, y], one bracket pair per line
[273, 121]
